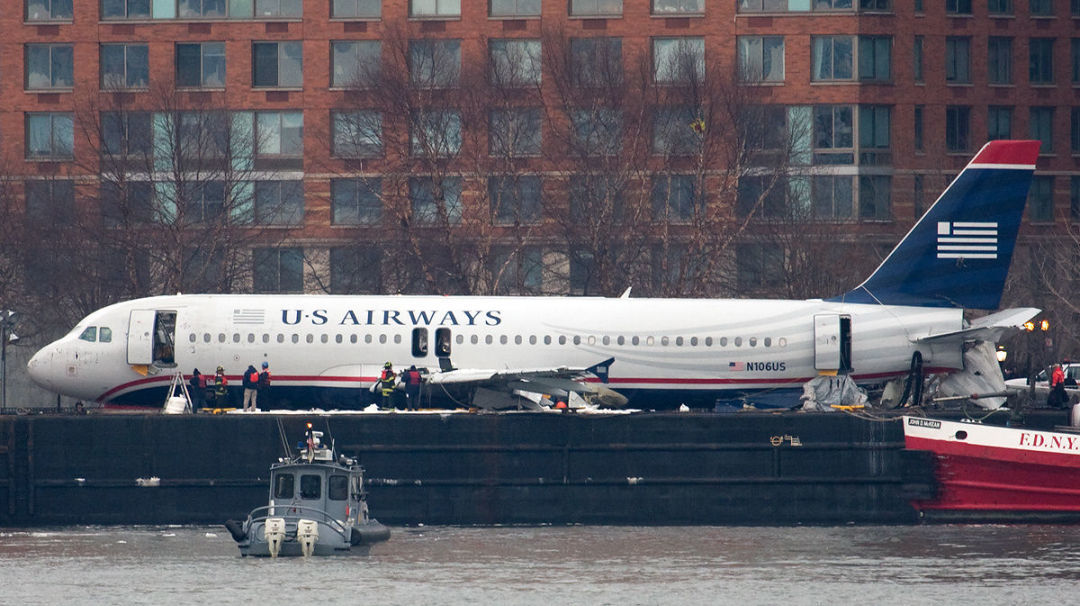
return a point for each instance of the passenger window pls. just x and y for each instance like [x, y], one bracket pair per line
[284, 486]
[90, 334]
[310, 487]
[419, 342]
[442, 342]
[251, 337]
[105, 334]
[338, 488]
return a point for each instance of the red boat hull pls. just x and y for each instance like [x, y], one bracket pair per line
[983, 468]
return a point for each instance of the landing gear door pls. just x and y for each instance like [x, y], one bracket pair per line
[140, 341]
[827, 342]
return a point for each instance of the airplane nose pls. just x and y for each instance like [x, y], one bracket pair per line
[39, 367]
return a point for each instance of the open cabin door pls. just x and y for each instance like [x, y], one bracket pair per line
[152, 337]
[140, 341]
[832, 343]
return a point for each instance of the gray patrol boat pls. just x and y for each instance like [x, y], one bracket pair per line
[318, 506]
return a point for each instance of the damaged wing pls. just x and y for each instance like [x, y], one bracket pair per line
[550, 380]
[987, 328]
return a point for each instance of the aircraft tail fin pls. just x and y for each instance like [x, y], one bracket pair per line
[958, 253]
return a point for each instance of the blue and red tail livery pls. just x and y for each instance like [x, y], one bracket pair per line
[958, 253]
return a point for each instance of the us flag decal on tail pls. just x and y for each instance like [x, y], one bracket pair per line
[967, 240]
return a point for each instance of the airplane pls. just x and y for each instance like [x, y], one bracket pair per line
[327, 350]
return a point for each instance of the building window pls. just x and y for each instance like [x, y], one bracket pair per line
[674, 131]
[761, 58]
[515, 63]
[434, 63]
[1074, 9]
[515, 132]
[277, 64]
[1074, 54]
[125, 134]
[875, 124]
[131, 203]
[435, 133]
[355, 270]
[999, 60]
[998, 122]
[875, 193]
[200, 65]
[957, 128]
[678, 60]
[357, 134]
[273, 8]
[515, 200]
[597, 131]
[279, 135]
[124, 66]
[1041, 199]
[759, 266]
[1000, 7]
[1042, 128]
[595, 198]
[48, 10]
[517, 270]
[957, 60]
[958, 7]
[278, 270]
[1074, 130]
[49, 66]
[356, 9]
[918, 128]
[1042, 8]
[435, 201]
[834, 134]
[678, 7]
[1041, 60]
[435, 8]
[515, 8]
[50, 202]
[674, 198]
[356, 63]
[763, 6]
[832, 197]
[125, 9]
[918, 196]
[49, 136]
[875, 58]
[203, 136]
[917, 58]
[356, 201]
[279, 202]
[596, 61]
[832, 58]
[595, 8]
[200, 9]
[767, 197]
[204, 203]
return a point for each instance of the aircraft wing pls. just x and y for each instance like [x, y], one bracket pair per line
[536, 380]
[987, 328]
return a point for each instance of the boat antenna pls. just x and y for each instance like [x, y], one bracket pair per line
[284, 439]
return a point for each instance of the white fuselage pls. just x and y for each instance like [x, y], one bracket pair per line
[341, 342]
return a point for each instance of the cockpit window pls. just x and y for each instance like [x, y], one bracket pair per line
[105, 334]
[90, 334]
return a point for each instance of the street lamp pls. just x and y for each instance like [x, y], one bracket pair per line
[7, 335]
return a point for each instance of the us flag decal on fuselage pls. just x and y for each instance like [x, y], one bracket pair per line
[967, 240]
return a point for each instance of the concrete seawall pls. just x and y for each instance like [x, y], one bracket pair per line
[648, 468]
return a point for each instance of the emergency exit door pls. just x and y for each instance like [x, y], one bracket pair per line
[832, 342]
[140, 339]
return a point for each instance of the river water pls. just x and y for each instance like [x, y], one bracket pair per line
[555, 565]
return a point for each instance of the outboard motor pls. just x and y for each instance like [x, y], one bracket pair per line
[307, 533]
[274, 533]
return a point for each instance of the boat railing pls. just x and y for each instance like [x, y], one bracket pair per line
[293, 513]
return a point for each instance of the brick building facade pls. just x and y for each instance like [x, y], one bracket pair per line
[894, 98]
